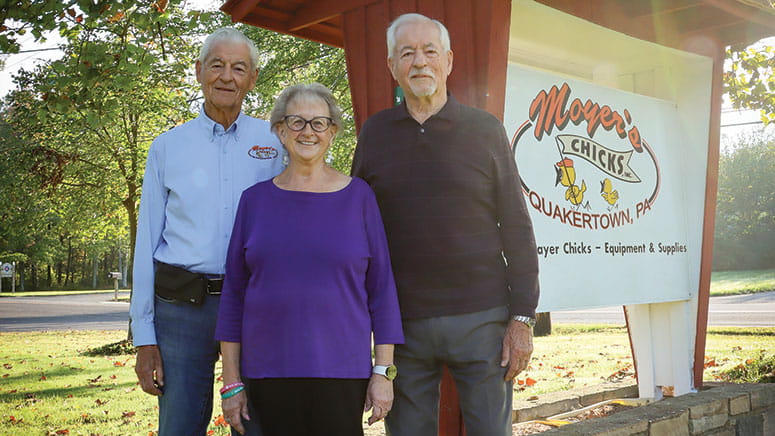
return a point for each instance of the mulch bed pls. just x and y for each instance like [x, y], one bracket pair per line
[528, 428]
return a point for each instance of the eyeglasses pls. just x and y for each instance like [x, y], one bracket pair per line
[297, 123]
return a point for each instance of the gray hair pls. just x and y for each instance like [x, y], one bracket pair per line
[414, 18]
[232, 35]
[300, 91]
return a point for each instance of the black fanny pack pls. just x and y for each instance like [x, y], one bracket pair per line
[175, 283]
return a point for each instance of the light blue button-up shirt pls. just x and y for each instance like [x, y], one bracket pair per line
[194, 176]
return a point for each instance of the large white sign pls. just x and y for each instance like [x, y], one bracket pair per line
[605, 178]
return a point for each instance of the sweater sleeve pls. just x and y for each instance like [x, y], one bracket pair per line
[516, 229]
[229, 324]
[380, 284]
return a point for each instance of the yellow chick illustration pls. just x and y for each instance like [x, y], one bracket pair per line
[608, 192]
[566, 175]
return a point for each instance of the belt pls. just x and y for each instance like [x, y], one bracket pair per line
[213, 283]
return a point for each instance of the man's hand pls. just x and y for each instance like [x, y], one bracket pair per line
[379, 397]
[517, 348]
[149, 369]
[235, 409]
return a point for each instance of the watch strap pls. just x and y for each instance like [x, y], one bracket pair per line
[530, 322]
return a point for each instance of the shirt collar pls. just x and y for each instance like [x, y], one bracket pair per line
[448, 112]
[215, 129]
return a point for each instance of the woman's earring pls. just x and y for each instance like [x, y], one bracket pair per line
[285, 159]
[329, 157]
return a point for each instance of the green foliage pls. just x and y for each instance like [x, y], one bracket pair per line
[287, 60]
[745, 208]
[13, 257]
[76, 130]
[750, 79]
[79, 127]
[759, 369]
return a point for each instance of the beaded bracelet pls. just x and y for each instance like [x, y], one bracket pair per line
[231, 386]
[233, 392]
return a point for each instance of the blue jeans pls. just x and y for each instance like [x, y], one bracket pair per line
[185, 334]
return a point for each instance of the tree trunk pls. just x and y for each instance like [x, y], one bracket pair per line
[68, 269]
[34, 276]
[21, 276]
[94, 272]
[543, 325]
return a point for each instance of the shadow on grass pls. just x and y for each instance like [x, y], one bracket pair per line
[742, 331]
[27, 393]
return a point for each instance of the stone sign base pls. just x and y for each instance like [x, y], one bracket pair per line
[716, 410]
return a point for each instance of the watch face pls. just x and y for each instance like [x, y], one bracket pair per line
[391, 372]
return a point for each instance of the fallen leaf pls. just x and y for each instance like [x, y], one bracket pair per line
[128, 414]
[530, 382]
[220, 421]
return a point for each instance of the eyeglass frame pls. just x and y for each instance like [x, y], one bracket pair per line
[306, 121]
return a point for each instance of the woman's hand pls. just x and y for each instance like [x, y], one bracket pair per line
[379, 397]
[235, 408]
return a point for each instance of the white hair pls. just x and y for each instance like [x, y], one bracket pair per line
[232, 35]
[414, 18]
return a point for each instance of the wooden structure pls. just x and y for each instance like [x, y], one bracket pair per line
[479, 31]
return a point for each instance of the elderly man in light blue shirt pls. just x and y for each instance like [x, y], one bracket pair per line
[195, 174]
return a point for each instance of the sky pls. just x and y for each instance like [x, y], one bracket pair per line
[733, 122]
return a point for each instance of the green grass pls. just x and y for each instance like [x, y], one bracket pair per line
[575, 356]
[49, 383]
[84, 383]
[741, 282]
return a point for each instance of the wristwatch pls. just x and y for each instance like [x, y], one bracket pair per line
[530, 322]
[388, 371]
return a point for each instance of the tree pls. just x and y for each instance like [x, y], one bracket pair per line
[83, 123]
[121, 82]
[749, 80]
[745, 212]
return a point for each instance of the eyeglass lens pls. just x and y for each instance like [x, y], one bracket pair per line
[297, 123]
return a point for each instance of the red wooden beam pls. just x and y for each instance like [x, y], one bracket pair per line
[238, 9]
[749, 14]
[314, 12]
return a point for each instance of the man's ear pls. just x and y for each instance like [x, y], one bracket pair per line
[198, 71]
[449, 62]
[254, 78]
[390, 67]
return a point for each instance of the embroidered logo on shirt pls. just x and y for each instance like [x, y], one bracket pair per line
[258, 152]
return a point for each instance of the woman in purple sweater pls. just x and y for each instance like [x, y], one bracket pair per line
[308, 281]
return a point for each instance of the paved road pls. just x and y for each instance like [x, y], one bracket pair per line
[67, 312]
[754, 310]
[98, 312]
